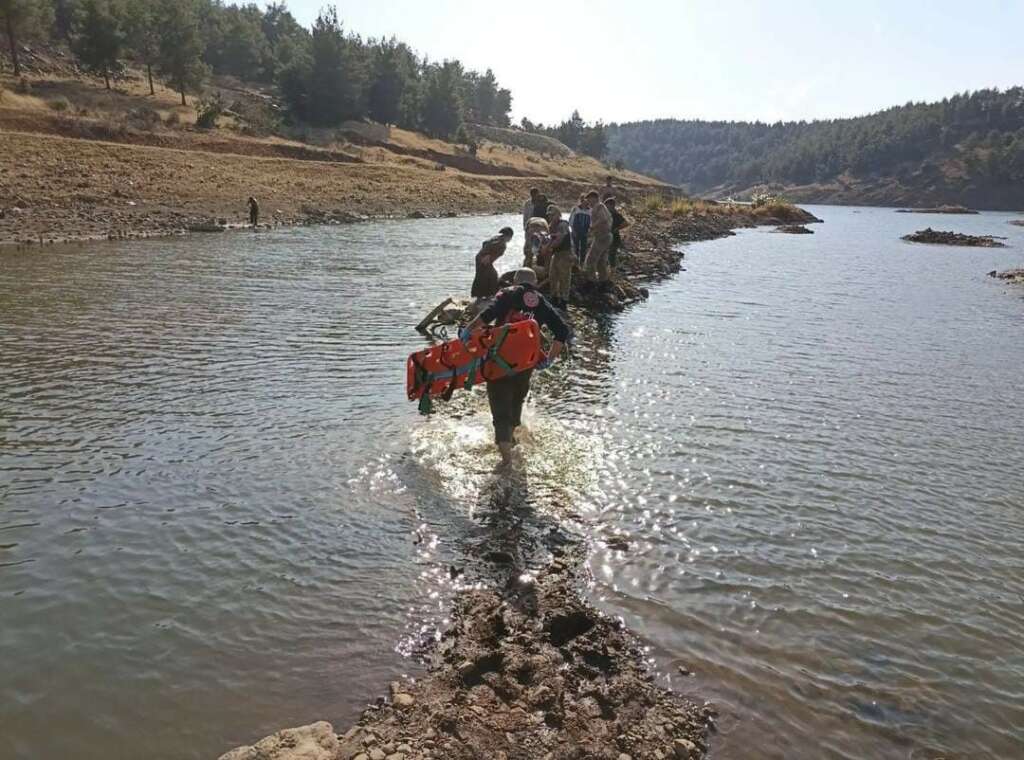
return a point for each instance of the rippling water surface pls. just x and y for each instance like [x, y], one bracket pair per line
[800, 467]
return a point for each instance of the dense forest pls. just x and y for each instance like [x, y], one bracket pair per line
[966, 147]
[325, 75]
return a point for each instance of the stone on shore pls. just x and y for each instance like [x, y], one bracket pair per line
[794, 229]
[316, 741]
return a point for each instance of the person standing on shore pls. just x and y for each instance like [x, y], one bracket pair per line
[485, 282]
[506, 396]
[596, 265]
[540, 206]
[579, 223]
[619, 223]
[562, 258]
[528, 207]
[254, 212]
[607, 191]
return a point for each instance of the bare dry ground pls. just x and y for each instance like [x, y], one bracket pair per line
[78, 162]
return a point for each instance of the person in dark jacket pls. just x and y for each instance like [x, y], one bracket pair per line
[485, 283]
[540, 206]
[506, 396]
[619, 223]
[254, 212]
[579, 222]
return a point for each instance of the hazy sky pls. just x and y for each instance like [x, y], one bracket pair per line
[639, 59]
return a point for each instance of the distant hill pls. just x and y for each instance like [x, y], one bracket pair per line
[967, 149]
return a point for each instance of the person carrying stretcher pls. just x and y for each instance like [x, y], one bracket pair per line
[506, 396]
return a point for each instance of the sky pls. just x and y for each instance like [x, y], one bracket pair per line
[644, 59]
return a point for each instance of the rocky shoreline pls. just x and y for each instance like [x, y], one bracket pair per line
[525, 673]
[938, 237]
[528, 670]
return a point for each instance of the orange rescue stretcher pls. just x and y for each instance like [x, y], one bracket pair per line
[489, 354]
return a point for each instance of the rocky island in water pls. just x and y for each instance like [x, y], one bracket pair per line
[938, 237]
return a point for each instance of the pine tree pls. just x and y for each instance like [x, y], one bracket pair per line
[336, 77]
[98, 37]
[442, 106]
[180, 47]
[141, 34]
[19, 18]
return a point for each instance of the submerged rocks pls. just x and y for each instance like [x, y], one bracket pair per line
[794, 229]
[939, 237]
[949, 209]
[1018, 222]
[1016, 276]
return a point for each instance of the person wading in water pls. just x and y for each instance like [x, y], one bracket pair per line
[506, 396]
[485, 283]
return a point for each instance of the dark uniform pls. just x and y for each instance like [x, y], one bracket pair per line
[506, 396]
[618, 221]
[254, 212]
[485, 283]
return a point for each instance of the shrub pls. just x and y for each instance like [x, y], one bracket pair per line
[59, 104]
[652, 203]
[209, 110]
[172, 119]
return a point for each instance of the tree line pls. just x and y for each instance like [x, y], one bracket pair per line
[588, 139]
[325, 74]
[984, 130]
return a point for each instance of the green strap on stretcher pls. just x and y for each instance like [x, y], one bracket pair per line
[426, 405]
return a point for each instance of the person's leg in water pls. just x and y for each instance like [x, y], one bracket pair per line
[506, 397]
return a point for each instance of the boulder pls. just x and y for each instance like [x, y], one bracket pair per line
[316, 741]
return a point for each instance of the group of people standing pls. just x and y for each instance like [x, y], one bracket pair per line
[554, 246]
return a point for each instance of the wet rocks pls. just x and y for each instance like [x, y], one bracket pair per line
[531, 672]
[794, 229]
[939, 237]
[1017, 222]
[1015, 276]
[316, 741]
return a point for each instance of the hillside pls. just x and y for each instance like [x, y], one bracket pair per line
[967, 149]
[81, 162]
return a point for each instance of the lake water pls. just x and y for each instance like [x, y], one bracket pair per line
[220, 516]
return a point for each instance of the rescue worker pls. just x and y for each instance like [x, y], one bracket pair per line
[619, 223]
[485, 283]
[506, 396]
[528, 206]
[596, 265]
[579, 222]
[562, 258]
[254, 212]
[536, 236]
[540, 206]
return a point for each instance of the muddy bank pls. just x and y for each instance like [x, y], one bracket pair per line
[938, 237]
[525, 672]
[62, 189]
